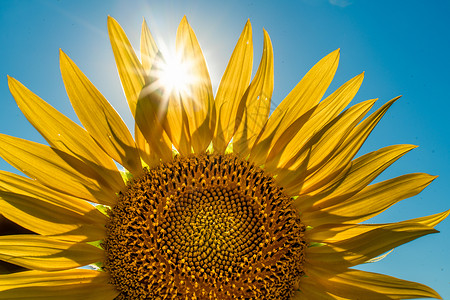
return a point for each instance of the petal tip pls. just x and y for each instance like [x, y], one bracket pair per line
[248, 25]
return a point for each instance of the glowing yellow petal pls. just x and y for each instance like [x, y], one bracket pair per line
[309, 289]
[361, 172]
[346, 151]
[55, 169]
[130, 69]
[63, 134]
[337, 233]
[49, 219]
[145, 151]
[299, 133]
[177, 124]
[318, 150]
[13, 183]
[148, 53]
[305, 96]
[98, 116]
[432, 220]
[370, 201]
[232, 87]
[257, 102]
[199, 101]
[151, 116]
[355, 284]
[148, 47]
[361, 242]
[132, 76]
[38, 209]
[69, 285]
[56, 278]
[47, 254]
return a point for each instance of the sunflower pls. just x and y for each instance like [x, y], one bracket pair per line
[217, 200]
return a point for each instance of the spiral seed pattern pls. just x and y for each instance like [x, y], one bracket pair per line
[204, 227]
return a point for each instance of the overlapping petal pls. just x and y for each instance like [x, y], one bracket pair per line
[130, 69]
[299, 103]
[148, 48]
[256, 102]
[39, 209]
[56, 169]
[296, 136]
[370, 201]
[352, 244]
[343, 155]
[322, 146]
[151, 117]
[72, 284]
[99, 117]
[198, 100]
[47, 254]
[359, 174]
[353, 284]
[232, 87]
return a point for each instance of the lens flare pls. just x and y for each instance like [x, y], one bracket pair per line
[174, 74]
[171, 74]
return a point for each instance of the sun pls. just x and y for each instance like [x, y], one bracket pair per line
[173, 74]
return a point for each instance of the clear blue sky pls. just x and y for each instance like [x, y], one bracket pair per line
[402, 45]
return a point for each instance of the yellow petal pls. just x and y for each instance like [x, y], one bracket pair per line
[296, 137]
[361, 172]
[354, 284]
[68, 284]
[432, 220]
[132, 76]
[342, 157]
[177, 124]
[130, 70]
[149, 52]
[47, 212]
[310, 289]
[147, 155]
[47, 254]
[318, 150]
[370, 201]
[63, 134]
[148, 48]
[199, 101]
[304, 97]
[350, 245]
[13, 183]
[151, 116]
[49, 219]
[337, 233]
[257, 102]
[232, 87]
[55, 169]
[99, 118]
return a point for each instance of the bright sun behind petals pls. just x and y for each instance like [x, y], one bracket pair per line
[172, 74]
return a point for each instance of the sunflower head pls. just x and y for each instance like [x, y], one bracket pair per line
[219, 200]
[205, 225]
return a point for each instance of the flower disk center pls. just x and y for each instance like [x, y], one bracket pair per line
[204, 227]
[212, 230]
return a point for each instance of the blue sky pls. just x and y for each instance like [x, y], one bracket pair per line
[402, 46]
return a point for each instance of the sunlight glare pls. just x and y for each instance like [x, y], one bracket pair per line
[174, 75]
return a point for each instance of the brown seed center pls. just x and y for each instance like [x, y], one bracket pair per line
[204, 227]
[212, 230]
